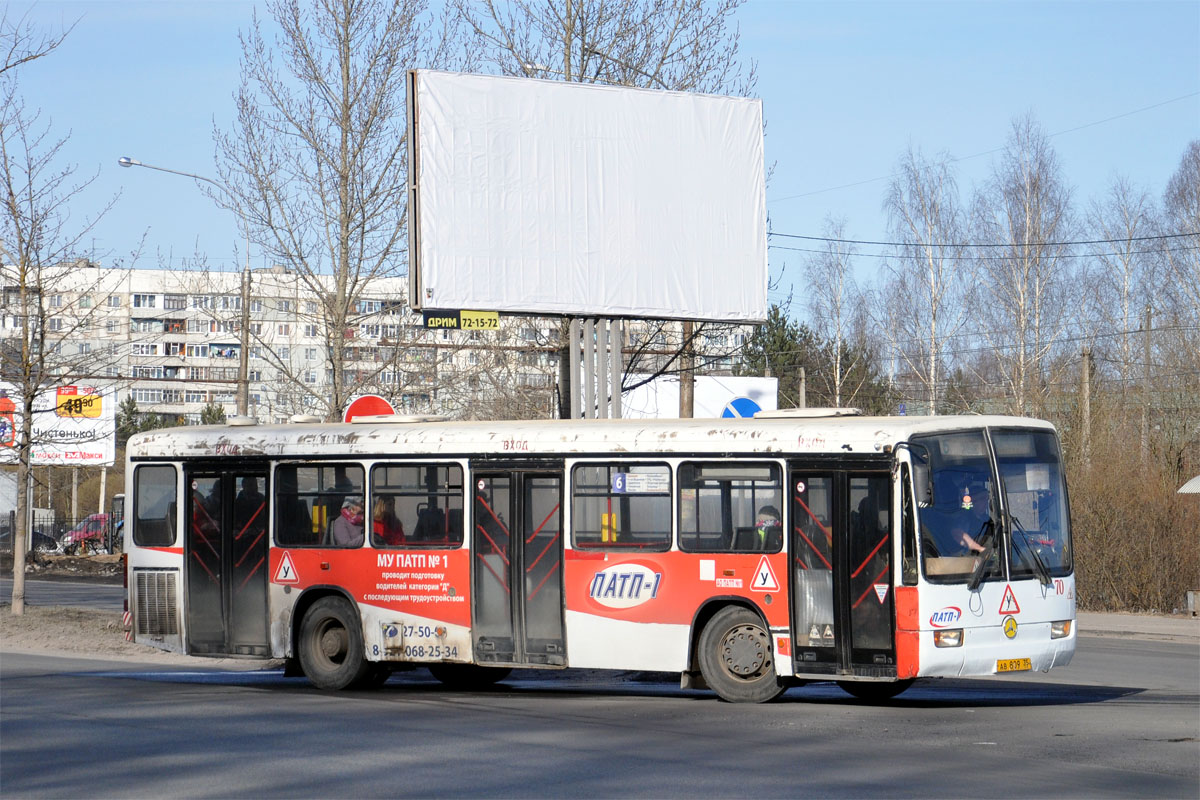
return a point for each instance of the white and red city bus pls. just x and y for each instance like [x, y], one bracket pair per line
[745, 554]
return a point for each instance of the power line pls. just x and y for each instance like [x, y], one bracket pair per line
[990, 152]
[921, 342]
[1145, 251]
[1159, 237]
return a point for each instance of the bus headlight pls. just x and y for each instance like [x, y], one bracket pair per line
[952, 637]
[1060, 629]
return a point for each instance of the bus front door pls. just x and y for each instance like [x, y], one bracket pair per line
[226, 563]
[516, 544]
[842, 617]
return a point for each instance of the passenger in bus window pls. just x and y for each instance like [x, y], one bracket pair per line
[385, 527]
[347, 529]
[770, 532]
[249, 500]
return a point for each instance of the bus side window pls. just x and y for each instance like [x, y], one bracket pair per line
[621, 506]
[730, 507]
[308, 498]
[154, 506]
[416, 505]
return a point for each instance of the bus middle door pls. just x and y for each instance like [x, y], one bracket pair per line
[225, 548]
[516, 545]
[842, 617]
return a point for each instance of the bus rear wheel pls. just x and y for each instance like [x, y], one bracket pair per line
[736, 658]
[331, 645]
[468, 676]
[875, 691]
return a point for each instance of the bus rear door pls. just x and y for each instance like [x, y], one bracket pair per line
[225, 548]
[842, 617]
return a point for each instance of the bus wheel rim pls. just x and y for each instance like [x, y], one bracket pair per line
[332, 642]
[745, 651]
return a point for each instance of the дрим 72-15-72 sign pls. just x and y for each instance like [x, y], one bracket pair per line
[462, 320]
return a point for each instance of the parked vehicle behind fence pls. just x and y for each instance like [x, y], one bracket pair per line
[86, 537]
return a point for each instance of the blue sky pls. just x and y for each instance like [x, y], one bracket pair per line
[847, 87]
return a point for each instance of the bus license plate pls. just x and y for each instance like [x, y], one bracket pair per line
[1013, 665]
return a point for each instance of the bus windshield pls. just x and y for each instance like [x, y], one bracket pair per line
[957, 510]
[1031, 471]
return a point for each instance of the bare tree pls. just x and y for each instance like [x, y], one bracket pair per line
[22, 43]
[924, 280]
[504, 374]
[1120, 280]
[834, 302]
[50, 303]
[689, 45]
[1177, 339]
[316, 160]
[1181, 222]
[1023, 282]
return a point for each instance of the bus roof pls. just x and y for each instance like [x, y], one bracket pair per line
[530, 438]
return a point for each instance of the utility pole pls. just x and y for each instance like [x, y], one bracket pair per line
[1146, 384]
[1085, 403]
[803, 389]
[243, 392]
[687, 374]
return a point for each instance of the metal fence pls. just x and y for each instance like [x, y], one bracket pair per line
[94, 533]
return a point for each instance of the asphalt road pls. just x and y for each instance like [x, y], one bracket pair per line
[101, 596]
[1122, 721]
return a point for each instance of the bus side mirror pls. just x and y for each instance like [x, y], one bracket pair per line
[921, 485]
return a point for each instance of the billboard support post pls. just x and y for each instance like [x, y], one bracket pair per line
[594, 381]
[589, 369]
[616, 340]
[103, 487]
[602, 370]
[572, 389]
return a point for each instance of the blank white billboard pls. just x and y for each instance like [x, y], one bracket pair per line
[544, 197]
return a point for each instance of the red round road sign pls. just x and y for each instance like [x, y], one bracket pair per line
[368, 405]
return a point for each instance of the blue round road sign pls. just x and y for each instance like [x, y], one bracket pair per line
[741, 407]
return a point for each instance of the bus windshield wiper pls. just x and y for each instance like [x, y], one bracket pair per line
[1038, 565]
[985, 532]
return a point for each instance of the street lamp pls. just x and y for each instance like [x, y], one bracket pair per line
[243, 393]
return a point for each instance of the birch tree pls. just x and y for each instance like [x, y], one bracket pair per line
[1177, 340]
[834, 302]
[1120, 279]
[924, 279]
[1025, 283]
[1181, 223]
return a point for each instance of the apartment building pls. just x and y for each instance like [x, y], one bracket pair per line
[173, 339]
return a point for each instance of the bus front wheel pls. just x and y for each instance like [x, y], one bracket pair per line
[331, 645]
[736, 658]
